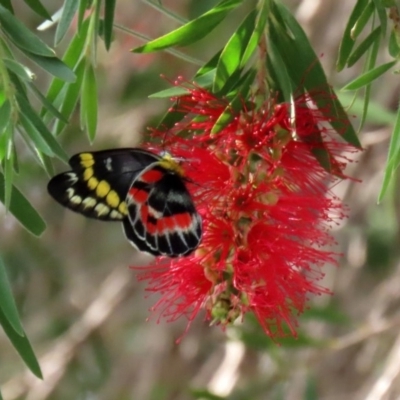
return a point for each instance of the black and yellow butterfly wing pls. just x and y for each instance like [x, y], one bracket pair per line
[98, 182]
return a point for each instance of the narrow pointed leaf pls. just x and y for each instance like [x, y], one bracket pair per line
[381, 11]
[231, 56]
[29, 116]
[109, 11]
[38, 7]
[362, 21]
[193, 30]
[364, 46]
[89, 101]
[7, 4]
[53, 66]
[371, 62]
[393, 159]
[280, 72]
[83, 4]
[5, 115]
[22, 345]
[23, 211]
[70, 98]
[347, 43]
[46, 103]
[35, 136]
[204, 81]
[236, 104]
[209, 65]
[20, 70]
[67, 15]
[70, 58]
[369, 76]
[7, 303]
[8, 171]
[307, 70]
[261, 21]
[21, 36]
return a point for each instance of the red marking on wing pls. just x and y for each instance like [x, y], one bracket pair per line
[138, 195]
[183, 220]
[144, 213]
[151, 176]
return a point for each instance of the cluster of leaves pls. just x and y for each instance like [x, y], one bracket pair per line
[372, 16]
[74, 79]
[269, 29]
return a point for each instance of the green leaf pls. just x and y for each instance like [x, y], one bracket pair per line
[8, 170]
[83, 5]
[280, 72]
[205, 81]
[261, 21]
[231, 56]
[394, 45]
[21, 36]
[53, 66]
[72, 92]
[71, 59]
[89, 102]
[295, 46]
[347, 42]
[371, 62]
[7, 303]
[23, 211]
[236, 104]
[364, 46]
[193, 30]
[393, 159]
[38, 7]
[7, 4]
[5, 116]
[22, 345]
[35, 136]
[40, 135]
[380, 9]
[362, 21]
[46, 103]
[109, 11]
[209, 65]
[20, 70]
[67, 15]
[369, 76]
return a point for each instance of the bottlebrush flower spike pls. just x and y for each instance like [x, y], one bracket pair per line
[266, 207]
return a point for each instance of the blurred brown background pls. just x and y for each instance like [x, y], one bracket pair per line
[85, 314]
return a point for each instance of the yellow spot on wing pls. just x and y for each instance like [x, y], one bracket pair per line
[88, 173]
[92, 183]
[86, 160]
[102, 189]
[112, 199]
[123, 209]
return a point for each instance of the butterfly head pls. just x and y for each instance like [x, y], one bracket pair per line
[171, 164]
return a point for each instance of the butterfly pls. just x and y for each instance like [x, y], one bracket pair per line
[143, 190]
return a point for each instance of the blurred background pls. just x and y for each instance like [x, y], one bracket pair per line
[88, 318]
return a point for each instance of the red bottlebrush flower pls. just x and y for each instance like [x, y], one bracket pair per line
[266, 207]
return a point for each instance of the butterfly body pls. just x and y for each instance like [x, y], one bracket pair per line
[143, 190]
